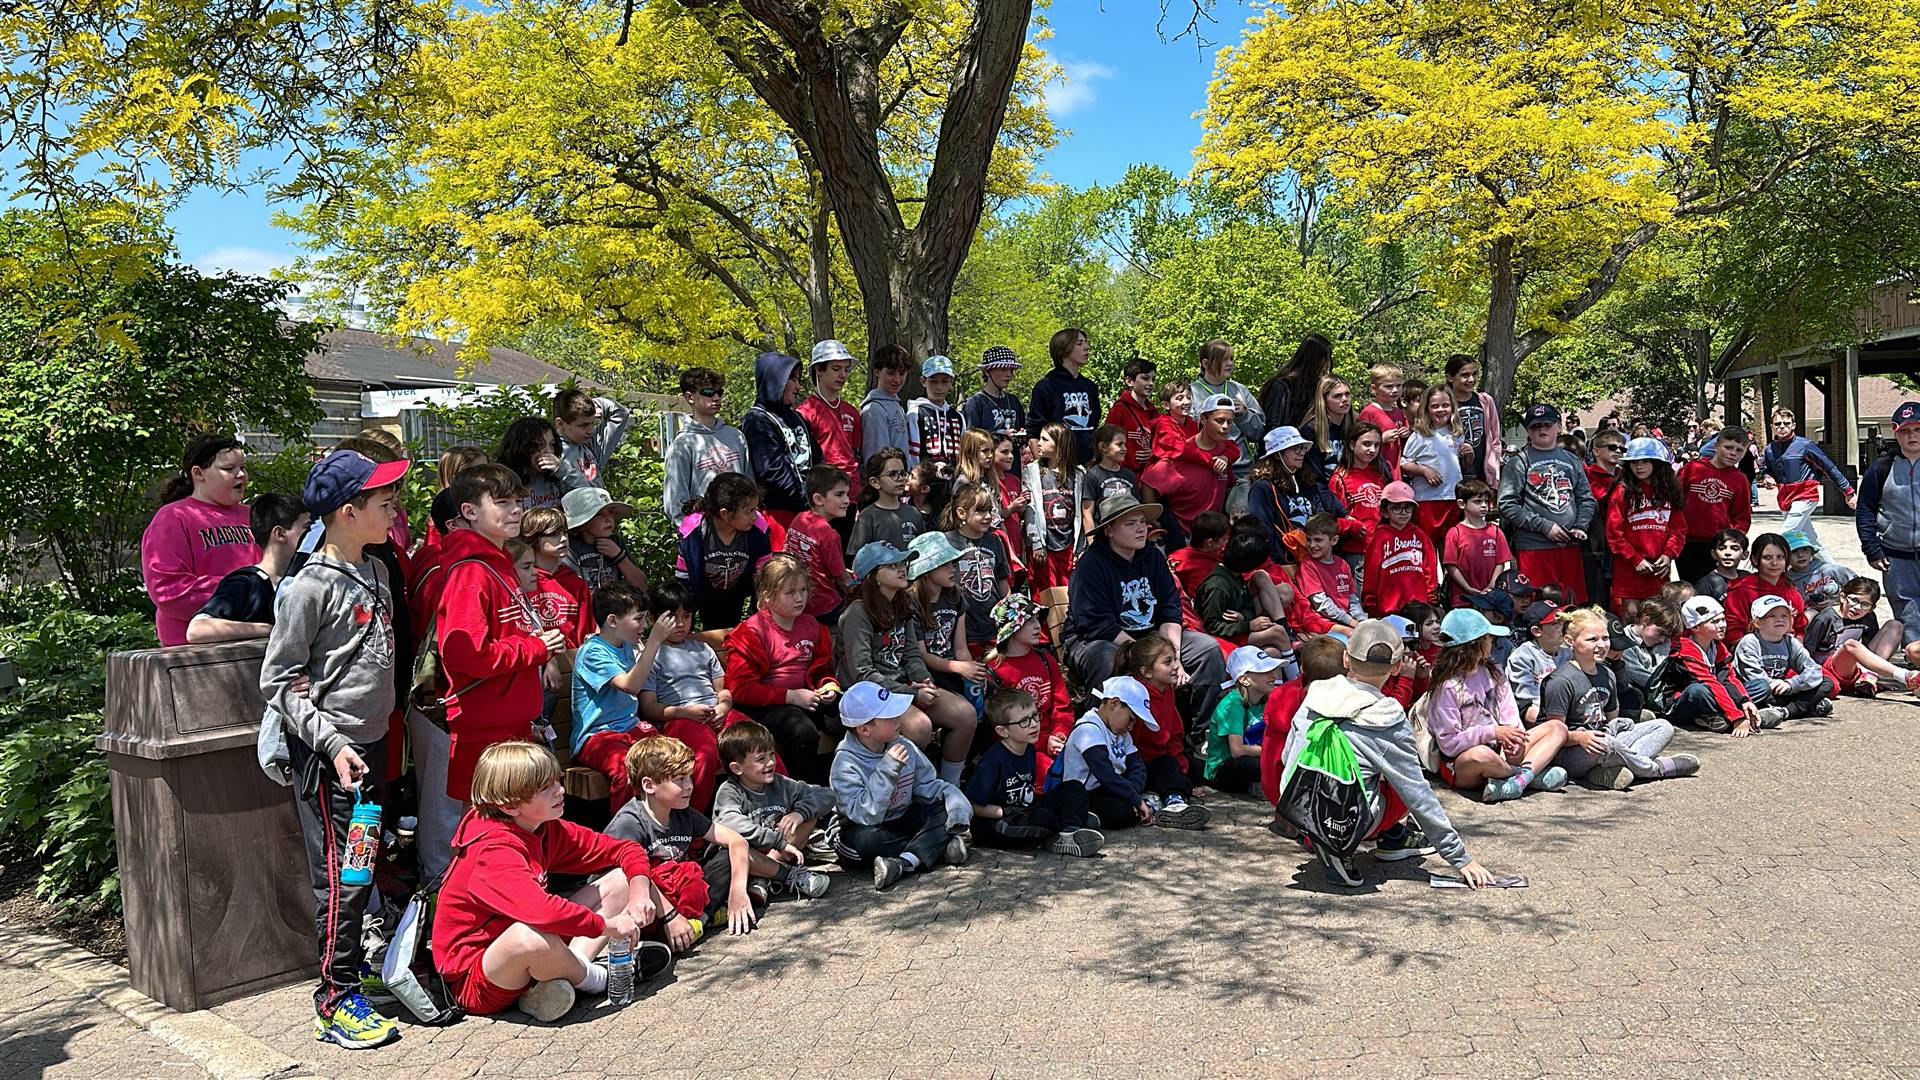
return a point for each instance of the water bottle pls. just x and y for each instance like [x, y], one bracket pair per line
[620, 971]
[363, 842]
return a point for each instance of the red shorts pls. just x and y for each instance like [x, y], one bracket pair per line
[1837, 684]
[1435, 518]
[1562, 566]
[474, 992]
[1051, 570]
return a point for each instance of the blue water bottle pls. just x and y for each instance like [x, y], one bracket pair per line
[363, 842]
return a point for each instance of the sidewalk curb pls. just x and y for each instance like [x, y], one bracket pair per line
[214, 1044]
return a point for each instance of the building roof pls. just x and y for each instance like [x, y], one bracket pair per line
[382, 361]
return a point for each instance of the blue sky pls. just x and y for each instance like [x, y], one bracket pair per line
[1128, 97]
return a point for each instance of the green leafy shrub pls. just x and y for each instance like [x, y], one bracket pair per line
[54, 798]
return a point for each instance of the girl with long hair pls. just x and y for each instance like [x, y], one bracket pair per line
[1357, 482]
[1052, 483]
[1330, 425]
[1288, 397]
[1430, 463]
[880, 636]
[1476, 725]
[1286, 491]
[1645, 529]
[531, 448]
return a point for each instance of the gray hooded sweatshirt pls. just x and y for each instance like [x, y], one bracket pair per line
[883, 423]
[1540, 489]
[756, 814]
[698, 454]
[1382, 740]
[333, 623]
[873, 788]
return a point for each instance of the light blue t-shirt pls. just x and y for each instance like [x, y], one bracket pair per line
[598, 705]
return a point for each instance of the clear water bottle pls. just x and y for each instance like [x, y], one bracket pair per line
[620, 971]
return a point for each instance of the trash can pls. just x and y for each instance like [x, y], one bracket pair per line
[213, 875]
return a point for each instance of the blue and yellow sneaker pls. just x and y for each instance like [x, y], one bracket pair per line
[355, 1026]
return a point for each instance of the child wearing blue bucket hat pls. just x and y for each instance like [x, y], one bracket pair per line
[1480, 742]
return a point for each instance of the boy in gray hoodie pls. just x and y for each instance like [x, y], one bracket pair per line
[1547, 505]
[785, 820]
[883, 418]
[1382, 739]
[897, 814]
[706, 446]
[333, 638]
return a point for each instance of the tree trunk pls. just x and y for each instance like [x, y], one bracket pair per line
[1701, 341]
[820, 264]
[1499, 359]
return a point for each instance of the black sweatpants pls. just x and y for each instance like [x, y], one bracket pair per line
[1061, 807]
[921, 829]
[1112, 811]
[797, 732]
[1237, 774]
[1164, 777]
[325, 808]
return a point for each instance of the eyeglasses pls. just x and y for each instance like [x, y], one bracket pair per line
[711, 391]
[1024, 721]
[1618, 448]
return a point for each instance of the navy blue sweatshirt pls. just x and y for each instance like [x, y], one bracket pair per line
[778, 443]
[1110, 594]
[1073, 400]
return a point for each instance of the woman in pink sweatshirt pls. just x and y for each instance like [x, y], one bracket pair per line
[200, 532]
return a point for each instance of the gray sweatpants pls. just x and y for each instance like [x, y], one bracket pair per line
[1636, 745]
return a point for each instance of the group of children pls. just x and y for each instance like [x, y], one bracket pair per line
[858, 656]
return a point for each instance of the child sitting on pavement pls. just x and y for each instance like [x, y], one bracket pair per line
[1609, 750]
[1650, 639]
[1776, 667]
[1853, 647]
[1818, 578]
[1165, 749]
[499, 938]
[663, 821]
[1233, 764]
[897, 814]
[1477, 724]
[1535, 658]
[1006, 811]
[1697, 686]
[1100, 755]
[1376, 727]
[784, 820]
[1321, 657]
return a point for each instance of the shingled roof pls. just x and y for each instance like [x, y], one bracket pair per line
[380, 360]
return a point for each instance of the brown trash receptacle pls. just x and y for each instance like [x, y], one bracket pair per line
[213, 873]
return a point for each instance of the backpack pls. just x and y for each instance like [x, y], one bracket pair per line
[1321, 793]
[429, 1001]
[428, 673]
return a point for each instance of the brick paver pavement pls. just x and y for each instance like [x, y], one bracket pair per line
[49, 1029]
[1757, 920]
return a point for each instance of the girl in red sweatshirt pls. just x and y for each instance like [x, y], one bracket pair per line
[780, 667]
[1769, 578]
[1644, 527]
[1357, 482]
[1017, 663]
[1401, 563]
[1153, 661]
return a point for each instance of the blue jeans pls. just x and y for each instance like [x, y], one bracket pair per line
[1902, 581]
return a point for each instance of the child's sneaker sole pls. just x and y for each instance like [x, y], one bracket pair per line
[1611, 777]
[549, 1000]
[1184, 816]
[327, 1032]
[1080, 842]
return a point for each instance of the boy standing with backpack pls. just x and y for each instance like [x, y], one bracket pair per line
[334, 629]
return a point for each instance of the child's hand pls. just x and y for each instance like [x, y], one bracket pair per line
[1743, 729]
[1219, 466]
[622, 926]
[664, 627]
[1591, 741]
[740, 916]
[1779, 687]
[898, 752]
[790, 826]
[349, 766]
[1259, 623]
[300, 685]
[640, 906]
[791, 854]
[1475, 875]
[1511, 740]
[679, 933]
[546, 462]
[969, 670]
[1144, 812]
[607, 546]
[1056, 743]
[554, 640]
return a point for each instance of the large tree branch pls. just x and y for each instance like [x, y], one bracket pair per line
[1601, 283]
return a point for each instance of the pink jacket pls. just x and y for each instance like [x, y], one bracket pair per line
[1463, 713]
[187, 548]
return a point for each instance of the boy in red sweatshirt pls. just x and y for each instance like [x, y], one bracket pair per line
[834, 424]
[814, 540]
[499, 937]
[1697, 684]
[1134, 412]
[780, 667]
[1716, 495]
[1401, 564]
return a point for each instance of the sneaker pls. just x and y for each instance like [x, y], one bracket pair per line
[1913, 683]
[808, 883]
[1152, 801]
[956, 852]
[355, 1026]
[651, 960]
[886, 871]
[1611, 777]
[1178, 813]
[1082, 842]
[1866, 686]
[1554, 778]
[759, 894]
[1501, 790]
[1823, 707]
[1339, 870]
[1678, 765]
[374, 988]
[1403, 841]
[1772, 717]
[548, 1001]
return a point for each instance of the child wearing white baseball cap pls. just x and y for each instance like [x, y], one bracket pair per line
[1697, 685]
[1775, 666]
[898, 815]
[1101, 755]
[1233, 762]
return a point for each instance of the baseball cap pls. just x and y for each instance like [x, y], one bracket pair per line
[936, 365]
[1462, 625]
[1645, 449]
[342, 474]
[1767, 604]
[930, 551]
[866, 701]
[582, 504]
[1537, 415]
[1375, 641]
[1010, 613]
[1538, 612]
[1908, 412]
[1797, 540]
[1520, 585]
[1245, 660]
[1397, 492]
[875, 554]
[1128, 689]
[443, 509]
[998, 356]
[1403, 625]
[1285, 438]
[1617, 639]
[826, 352]
[1700, 609]
[1215, 402]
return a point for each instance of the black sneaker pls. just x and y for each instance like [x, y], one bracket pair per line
[758, 895]
[1178, 813]
[1339, 870]
[1403, 841]
[887, 871]
[651, 960]
[956, 852]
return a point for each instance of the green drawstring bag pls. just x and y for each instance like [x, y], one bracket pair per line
[1321, 793]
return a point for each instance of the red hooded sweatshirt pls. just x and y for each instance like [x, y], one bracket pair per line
[1039, 675]
[1136, 420]
[488, 651]
[1744, 591]
[765, 661]
[1171, 739]
[500, 878]
[1401, 566]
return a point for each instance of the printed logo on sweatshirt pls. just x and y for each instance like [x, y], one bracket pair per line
[1551, 486]
[890, 649]
[1649, 519]
[1404, 555]
[1136, 604]
[724, 568]
[1367, 494]
[939, 636]
[717, 458]
[975, 574]
[1076, 408]
[1711, 490]
[214, 536]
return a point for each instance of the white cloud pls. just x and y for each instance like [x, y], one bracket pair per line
[242, 260]
[1073, 89]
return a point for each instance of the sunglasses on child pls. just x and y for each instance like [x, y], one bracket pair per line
[711, 391]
